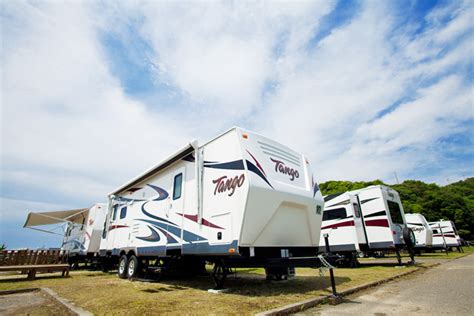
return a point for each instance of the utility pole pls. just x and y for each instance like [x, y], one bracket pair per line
[396, 177]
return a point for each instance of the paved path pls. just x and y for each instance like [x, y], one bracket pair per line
[445, 289]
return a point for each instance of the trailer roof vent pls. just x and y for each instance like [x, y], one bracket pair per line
[280, 153]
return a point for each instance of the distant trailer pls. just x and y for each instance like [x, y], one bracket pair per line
[238, 200]
[445, 234]
[422, 230]
[365, 221]
[83, 230]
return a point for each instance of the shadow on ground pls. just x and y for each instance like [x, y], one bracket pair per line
[254, 285]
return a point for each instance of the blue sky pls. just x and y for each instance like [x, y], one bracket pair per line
[95, 92]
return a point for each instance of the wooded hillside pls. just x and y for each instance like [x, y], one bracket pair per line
[454, 201]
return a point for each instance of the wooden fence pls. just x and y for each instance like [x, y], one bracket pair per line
[31, 257]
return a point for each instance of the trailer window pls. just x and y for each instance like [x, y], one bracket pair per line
[178, 181]
[435, 231]
[356, 210]
[114, 216]
[104, 232]
[395, 212]
[123, 212]
[334, 214]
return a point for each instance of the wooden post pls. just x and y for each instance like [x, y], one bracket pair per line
[32, 274]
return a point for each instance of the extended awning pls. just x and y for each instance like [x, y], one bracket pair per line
[57, 217]
[180, 154]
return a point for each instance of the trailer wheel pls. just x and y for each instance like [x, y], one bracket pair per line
[219, 274]
[75, 265]
[133, 267]
[122, 267]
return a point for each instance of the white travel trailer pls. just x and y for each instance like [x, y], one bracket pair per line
[82, 233]
[445, 234]
[238, 200]
[422, 230]
[366, 220]
[343, 224]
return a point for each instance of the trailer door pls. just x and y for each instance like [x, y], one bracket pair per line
[358, 222]
[176, 207]
[377, 226]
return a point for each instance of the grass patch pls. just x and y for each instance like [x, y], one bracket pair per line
[430, 256]
[249, 292]
[451, 255]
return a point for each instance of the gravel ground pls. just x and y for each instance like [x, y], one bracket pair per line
[445, 289]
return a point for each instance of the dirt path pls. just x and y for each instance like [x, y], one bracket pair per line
[31, 303]
[446, 289]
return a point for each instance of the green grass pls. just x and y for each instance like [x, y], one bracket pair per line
[451, 255]
[249, 292]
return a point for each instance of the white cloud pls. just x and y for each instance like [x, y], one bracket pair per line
[64, 113]
[402, 140]
[221, 54]
[329, 106]
[15, 210]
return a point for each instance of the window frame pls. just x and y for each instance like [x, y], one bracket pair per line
[395, 212]
[114, 213]
[328, 212]
[180, 176]
[123, 212]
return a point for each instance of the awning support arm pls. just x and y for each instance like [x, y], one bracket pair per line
[44, 230]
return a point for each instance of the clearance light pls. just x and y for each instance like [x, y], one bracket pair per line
[231, 250]
[394, 232]
[246, 136]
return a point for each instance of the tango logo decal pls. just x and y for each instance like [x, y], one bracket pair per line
[282, 168]
[224, 184]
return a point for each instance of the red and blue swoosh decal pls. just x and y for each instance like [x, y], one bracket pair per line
[154, 236]
[254, 167]
[205, 222]
[231, 165]
[257, 169]
[162, 195]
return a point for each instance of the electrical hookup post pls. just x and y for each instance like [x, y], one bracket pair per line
[335, 298]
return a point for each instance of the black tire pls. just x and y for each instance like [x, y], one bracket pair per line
[104, 267]
[122, 267]
[75, 265]
[409, 237]
[133, 268]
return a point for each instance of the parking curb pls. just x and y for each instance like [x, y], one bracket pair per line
[303, 305]
[70, 306]
[18, 291]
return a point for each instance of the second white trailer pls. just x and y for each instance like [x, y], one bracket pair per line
[422, 230]
[366, 220]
